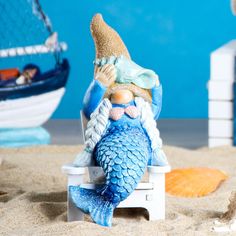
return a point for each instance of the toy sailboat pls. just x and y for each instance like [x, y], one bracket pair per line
[29, 97]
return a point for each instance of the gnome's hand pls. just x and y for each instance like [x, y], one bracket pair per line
[106, 74]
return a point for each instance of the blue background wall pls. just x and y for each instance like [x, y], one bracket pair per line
[172, 37]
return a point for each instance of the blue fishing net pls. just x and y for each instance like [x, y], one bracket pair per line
[22, 24]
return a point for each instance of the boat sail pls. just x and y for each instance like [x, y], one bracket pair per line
[28, 97]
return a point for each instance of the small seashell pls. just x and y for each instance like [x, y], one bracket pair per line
[193, 182]
[116, 113]
[132, 112]
[21, 80]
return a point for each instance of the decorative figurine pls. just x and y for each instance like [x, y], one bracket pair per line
[122, 103]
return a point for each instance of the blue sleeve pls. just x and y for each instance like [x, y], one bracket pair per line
[156, 101]
[93, 97]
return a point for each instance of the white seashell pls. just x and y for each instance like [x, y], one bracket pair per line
[20, 80]
[225, 226]
[52, 40]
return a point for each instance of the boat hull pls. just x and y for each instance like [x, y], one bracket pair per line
[44, 83]
[31, 111]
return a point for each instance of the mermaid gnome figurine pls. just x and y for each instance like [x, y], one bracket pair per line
[122, 103]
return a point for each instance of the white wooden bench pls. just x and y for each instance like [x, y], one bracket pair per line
[149, 195]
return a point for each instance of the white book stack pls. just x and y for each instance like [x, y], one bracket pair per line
[221, 96]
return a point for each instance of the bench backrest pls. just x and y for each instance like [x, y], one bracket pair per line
[84, 122]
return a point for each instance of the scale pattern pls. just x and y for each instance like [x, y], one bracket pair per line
[123, 154]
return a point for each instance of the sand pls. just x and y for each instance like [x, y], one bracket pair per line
[33, 196]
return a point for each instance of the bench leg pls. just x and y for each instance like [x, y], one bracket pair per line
[74, 213]
[156, 213]
[157, 209]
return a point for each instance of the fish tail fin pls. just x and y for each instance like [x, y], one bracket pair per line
[90, 201]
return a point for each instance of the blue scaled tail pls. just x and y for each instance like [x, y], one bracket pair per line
[90, 201]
